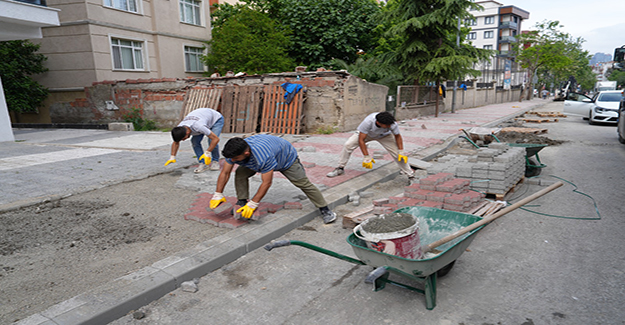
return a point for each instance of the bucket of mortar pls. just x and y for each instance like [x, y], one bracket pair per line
[392, 233]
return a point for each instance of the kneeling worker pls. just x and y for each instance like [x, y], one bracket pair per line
[197, 124]
[264, 154]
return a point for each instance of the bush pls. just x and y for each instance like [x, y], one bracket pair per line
[135, 116]
[18, 62]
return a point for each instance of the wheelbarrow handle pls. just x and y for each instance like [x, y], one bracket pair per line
[277, 243]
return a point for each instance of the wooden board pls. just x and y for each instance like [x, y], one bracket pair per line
[546, 114]
[277, 116]
[200, 98]
[537, 120]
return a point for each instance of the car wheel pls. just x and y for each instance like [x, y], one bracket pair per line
[590, 121]
[531, 171]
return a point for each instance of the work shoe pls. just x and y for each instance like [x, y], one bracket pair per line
[336, 172]
[214, 165]
[202, 167]
[327, 215]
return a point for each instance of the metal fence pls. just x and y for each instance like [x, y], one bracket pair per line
[415, 95]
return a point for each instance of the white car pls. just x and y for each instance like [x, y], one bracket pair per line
[601, 108]
[620, 128]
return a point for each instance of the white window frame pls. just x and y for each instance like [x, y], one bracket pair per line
[470, 22]
[489, 34]
[123, 5]
[489, 20]
[487, 47]
[143, 53]
[187, 57]
[196, 7]
[472, 35]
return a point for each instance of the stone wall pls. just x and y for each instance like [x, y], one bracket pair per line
[334, 99]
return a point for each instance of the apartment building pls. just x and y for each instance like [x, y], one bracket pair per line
[100, 40]
[495, 27]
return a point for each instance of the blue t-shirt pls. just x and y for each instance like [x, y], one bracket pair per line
[268, 153]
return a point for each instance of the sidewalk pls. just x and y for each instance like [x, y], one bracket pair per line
[37, 164]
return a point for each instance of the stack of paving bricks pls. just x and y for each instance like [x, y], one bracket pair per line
[222, 215]
[493, 170]
[441, 191]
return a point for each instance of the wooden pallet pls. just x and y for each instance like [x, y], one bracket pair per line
[501, 196]
[277, 116]
[523, 130]
[489, 208]
[201, 97]
[240, 107]
[546, 114]
[536, 120]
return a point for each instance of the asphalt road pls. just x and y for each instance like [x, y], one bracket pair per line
[559, 262]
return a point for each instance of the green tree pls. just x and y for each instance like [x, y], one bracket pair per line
[249, 41]
[323, 30]
[618, 76]
[426, 35]
[552, 55]
[19, 61]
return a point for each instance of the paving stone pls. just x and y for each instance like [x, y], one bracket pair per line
[380, 202]
[293, 205]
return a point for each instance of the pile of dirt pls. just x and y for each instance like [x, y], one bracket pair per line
[522, 137]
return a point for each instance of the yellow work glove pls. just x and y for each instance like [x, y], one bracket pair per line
[171, 160]
[368, 162]
[402, 156]
[247, 210]
[216, 200]
[207, 160]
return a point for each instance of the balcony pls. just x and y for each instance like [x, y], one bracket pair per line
[505, 53]
[24, 19]
[508, 25]
[507, 39]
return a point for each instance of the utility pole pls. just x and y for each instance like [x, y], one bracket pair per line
[453, 97]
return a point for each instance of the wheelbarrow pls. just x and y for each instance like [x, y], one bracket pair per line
[440, 251]
[533, 167]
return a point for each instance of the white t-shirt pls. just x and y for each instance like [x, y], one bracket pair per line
[373, 131]
[201, 120]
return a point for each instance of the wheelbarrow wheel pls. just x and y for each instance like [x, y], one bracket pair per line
[531, 171]
[445, 269]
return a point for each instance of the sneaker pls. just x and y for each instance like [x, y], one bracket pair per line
[214, 165]
[327, 215]
[336, 172]
[202, 167]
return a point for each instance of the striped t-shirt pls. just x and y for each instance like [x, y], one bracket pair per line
[268, 153]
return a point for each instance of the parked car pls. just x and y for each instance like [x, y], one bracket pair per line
[601, 108]
[620, 127]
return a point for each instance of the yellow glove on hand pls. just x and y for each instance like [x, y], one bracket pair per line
[207, 160]
[402, 156]
[171, 160]
[368, 162]
[216, 200]
[247, 210]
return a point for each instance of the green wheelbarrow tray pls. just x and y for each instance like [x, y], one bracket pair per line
[439, 224]
[424, 271]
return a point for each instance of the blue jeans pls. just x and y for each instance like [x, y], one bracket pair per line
[196, 141]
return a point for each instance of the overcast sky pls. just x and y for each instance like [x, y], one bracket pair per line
[600, 22]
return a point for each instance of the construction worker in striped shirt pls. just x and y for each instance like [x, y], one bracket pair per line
[264, 154]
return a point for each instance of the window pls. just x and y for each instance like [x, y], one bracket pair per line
[192, 62]
[472, 35]
[489, 34]
[489, 20]
[190, 12]
[488, 47]
[126, 5]
[127, 54]
[470, 22]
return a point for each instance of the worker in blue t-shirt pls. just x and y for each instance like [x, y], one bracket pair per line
[264, 154]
